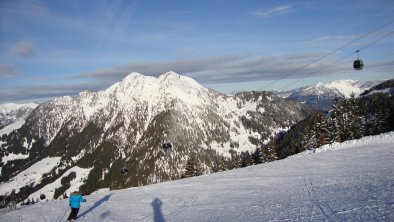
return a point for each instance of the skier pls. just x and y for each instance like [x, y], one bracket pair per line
[75, 203]
[13, 200]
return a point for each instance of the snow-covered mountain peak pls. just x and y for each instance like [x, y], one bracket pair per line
[174, 79]
[9, 107]
[11, 112]
[321, 95]
[346, 87]
[154, 90]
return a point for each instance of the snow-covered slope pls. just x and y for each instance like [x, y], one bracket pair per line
[11, 112]
[321, 95]
[352, 182]
[30, 176]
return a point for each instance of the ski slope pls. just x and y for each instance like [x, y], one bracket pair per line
[352, 183]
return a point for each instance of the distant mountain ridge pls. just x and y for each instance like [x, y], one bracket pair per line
[11, 112]
[126, 124]
[322, 95]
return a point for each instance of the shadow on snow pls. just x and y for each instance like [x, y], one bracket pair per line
[98, 203]
[158, 216]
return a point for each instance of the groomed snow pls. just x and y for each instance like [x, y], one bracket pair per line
[353, 183]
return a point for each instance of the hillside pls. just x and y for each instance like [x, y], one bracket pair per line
[347, 119]
[11, 113]
[125, 125]
[351, 182]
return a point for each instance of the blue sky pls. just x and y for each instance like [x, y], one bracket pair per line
[61, 47]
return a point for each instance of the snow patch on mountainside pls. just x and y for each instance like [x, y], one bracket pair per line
[32, 175]
[345, 87]
[389, 91]
[322, 95]
[10, 107]
[49, 190]
[342, 88]
[11, 112]
[10, 157]
[9, 128]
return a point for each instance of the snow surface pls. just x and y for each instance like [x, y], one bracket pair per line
[340, 87]
[49, 190]
[352, 183]
[16, 125]
[10, 107]
[346, 87]
[12, 156]
[30, 176]
[384, 91]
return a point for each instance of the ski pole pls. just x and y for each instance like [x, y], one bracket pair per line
[91, 210]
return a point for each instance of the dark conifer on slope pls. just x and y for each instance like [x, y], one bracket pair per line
[347, 119]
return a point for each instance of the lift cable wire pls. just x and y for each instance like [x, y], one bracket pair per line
[330, 53]
[312, 73]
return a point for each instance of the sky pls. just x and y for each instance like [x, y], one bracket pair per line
[62, 47]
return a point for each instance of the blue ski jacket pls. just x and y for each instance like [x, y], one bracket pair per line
[75, 200]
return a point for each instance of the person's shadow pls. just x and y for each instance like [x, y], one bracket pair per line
[98, 203]
[158, 216]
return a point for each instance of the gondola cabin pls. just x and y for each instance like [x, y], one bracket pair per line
[166, 146]
[42, 196]
[124, 171]
[358, 64]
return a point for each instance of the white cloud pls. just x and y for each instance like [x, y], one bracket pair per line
[275, 11]
[214, 70]
[24, 48]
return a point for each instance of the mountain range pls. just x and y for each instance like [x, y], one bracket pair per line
[125, 125]
[11, 112]
[322, 95]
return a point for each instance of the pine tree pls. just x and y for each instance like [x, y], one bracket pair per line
[219, 164]
[246, 159]
[192, 167]
[323, 132]
[378, 124]
[269, 152]
[356, 125]
[319, 134]
[235, 161]
[337, 120]
[310, 141]
[257, 156]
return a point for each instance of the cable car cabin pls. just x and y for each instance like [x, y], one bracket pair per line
[166, 146]
[124, 171]
[358, 64]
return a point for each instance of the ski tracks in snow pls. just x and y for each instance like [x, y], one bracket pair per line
[184, 206]
[325, 208]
